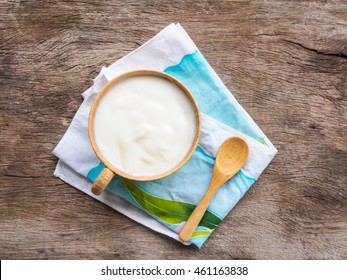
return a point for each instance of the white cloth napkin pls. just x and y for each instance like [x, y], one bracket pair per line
[164, 205]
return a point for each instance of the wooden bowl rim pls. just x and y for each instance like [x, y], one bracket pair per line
[130, 74]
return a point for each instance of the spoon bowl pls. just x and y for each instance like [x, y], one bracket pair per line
[231, 157]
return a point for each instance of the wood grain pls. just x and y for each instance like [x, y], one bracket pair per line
[285, 62]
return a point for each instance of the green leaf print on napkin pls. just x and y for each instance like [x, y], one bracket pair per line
[169, 211]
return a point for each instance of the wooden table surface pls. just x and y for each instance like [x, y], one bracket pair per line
[285, 62]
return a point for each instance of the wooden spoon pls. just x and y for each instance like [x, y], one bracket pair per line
[231, 156]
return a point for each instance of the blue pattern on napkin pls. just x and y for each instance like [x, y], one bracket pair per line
[212, 96]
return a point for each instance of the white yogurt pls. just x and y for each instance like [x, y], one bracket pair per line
[144, 125]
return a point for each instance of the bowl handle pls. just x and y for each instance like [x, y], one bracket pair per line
[102, 181]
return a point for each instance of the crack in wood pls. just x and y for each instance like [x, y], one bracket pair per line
[339, 55]
[22, 176]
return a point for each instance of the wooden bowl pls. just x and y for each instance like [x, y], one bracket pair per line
[109, 171]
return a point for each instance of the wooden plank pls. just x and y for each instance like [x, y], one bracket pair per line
[285, 62]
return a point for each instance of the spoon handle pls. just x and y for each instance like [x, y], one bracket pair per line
[196, 216]
[218, 179]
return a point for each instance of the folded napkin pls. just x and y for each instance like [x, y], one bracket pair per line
[164, 205]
